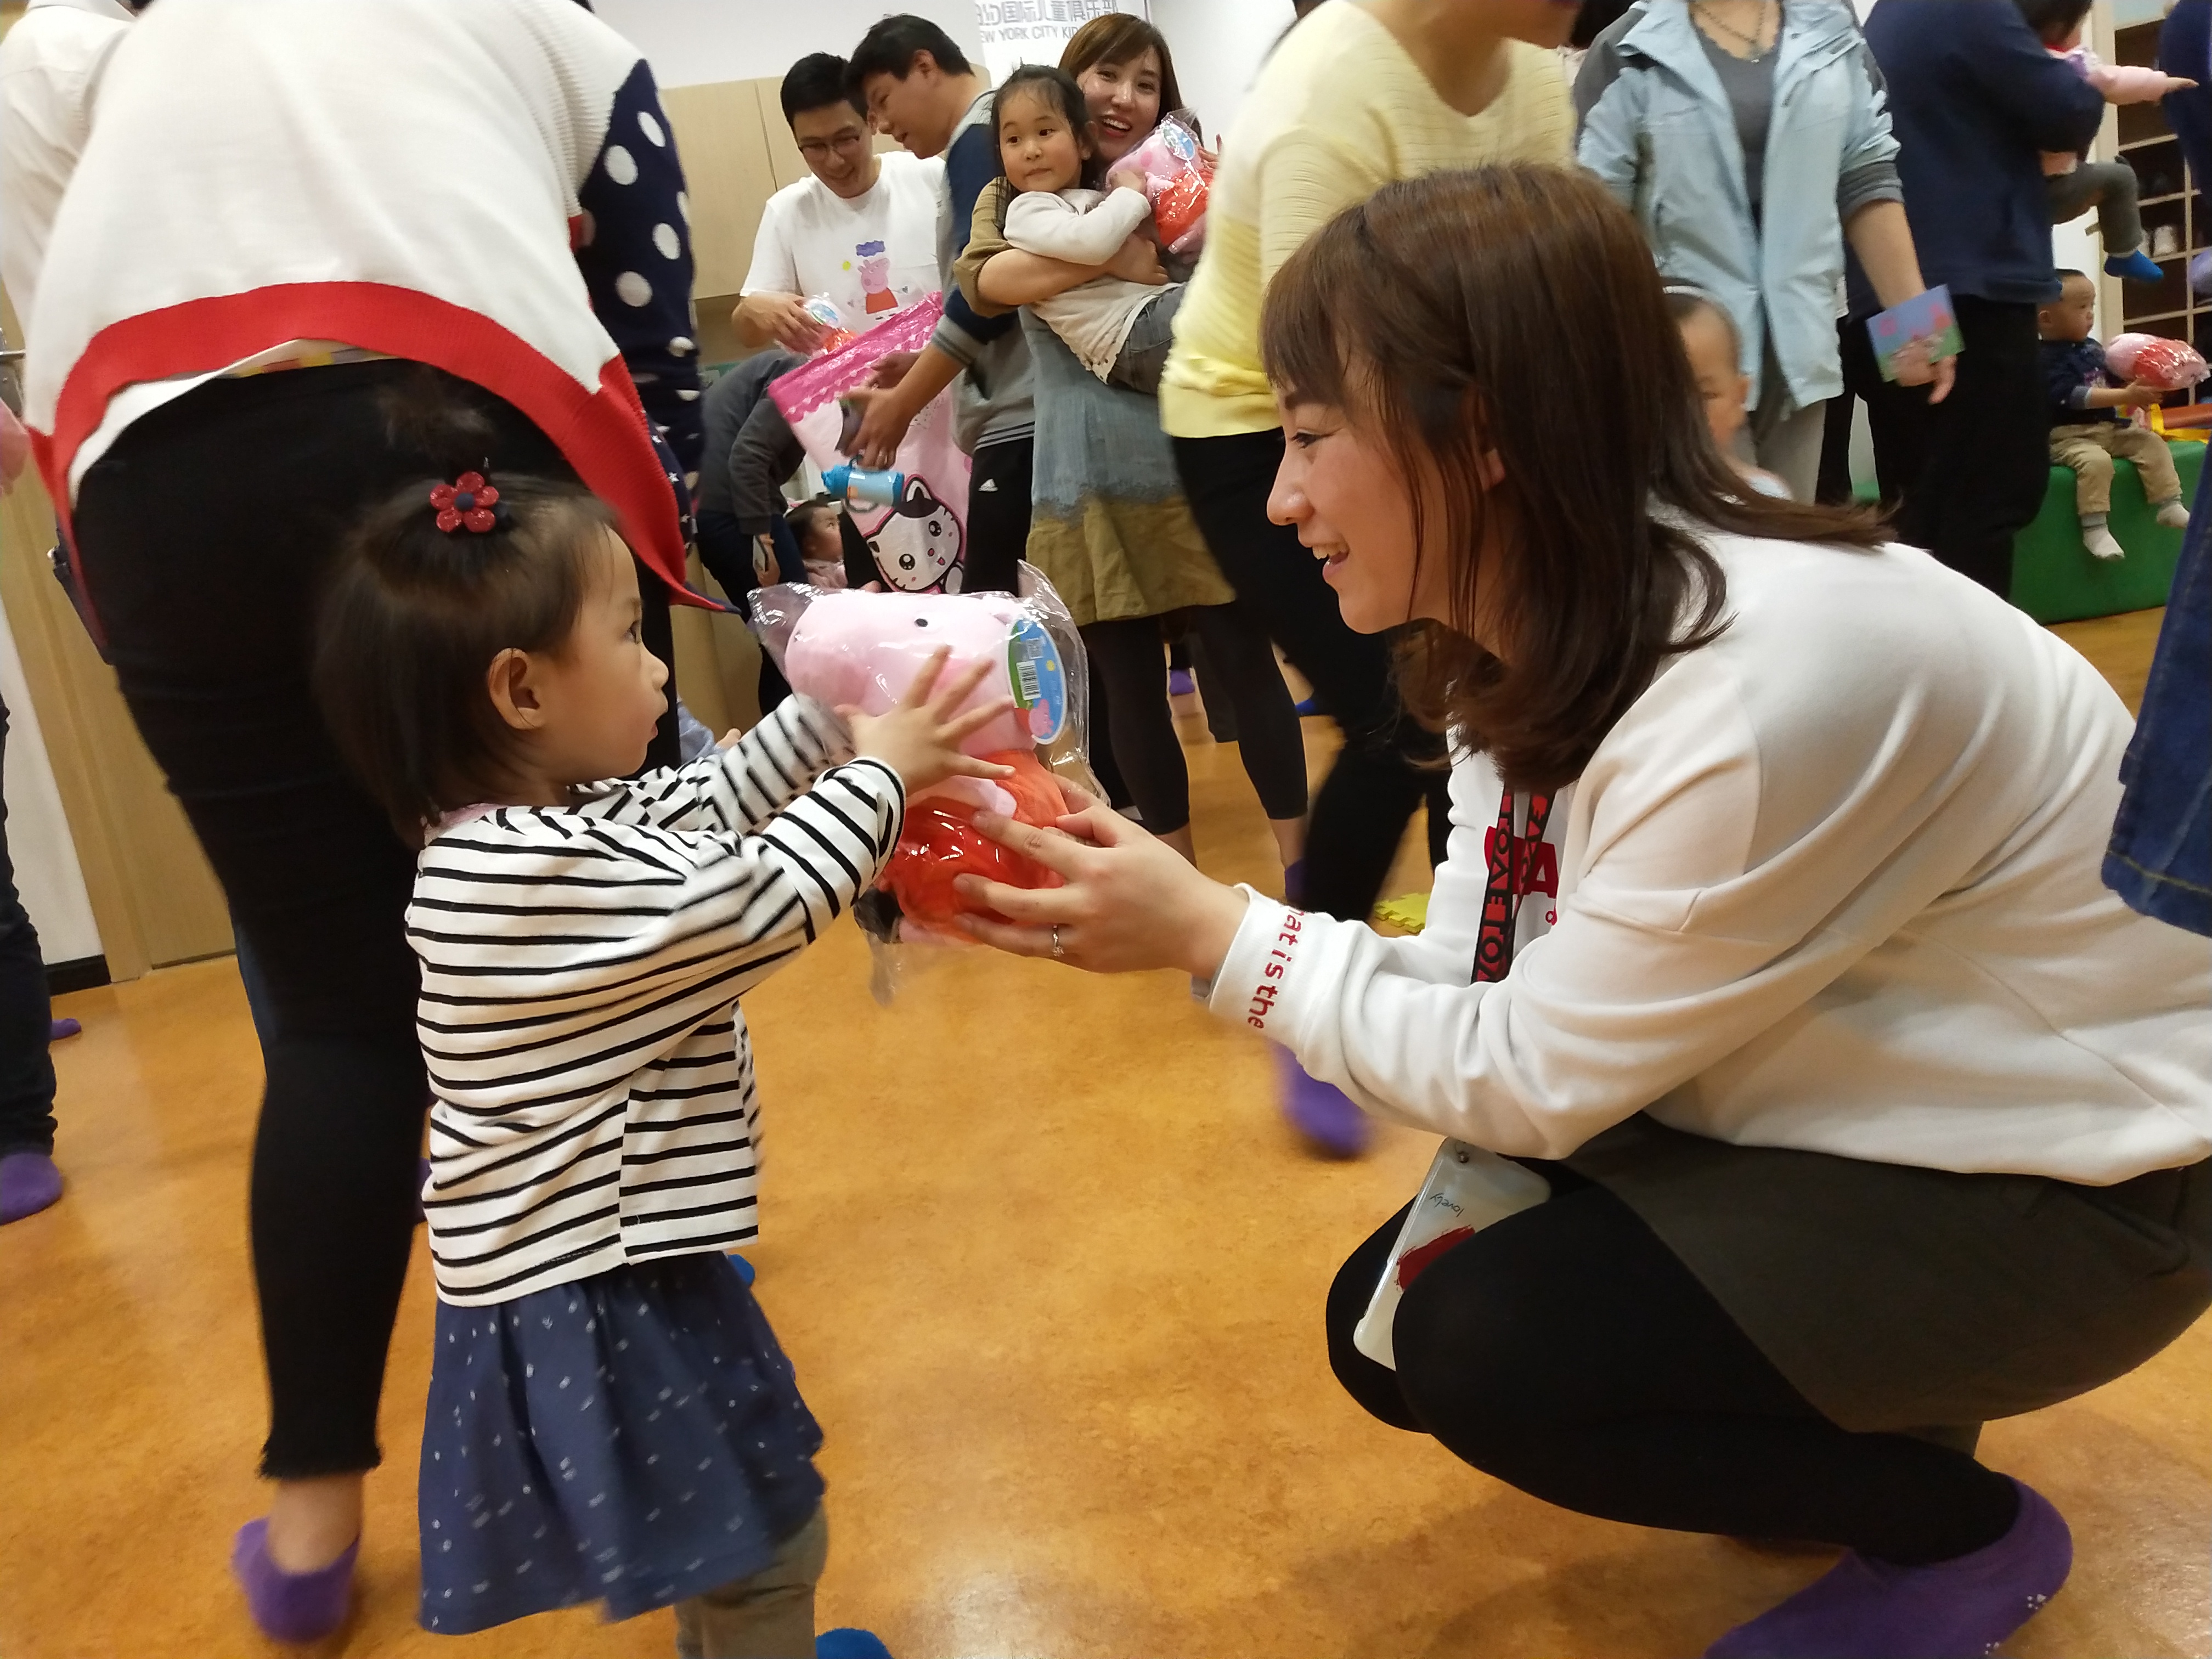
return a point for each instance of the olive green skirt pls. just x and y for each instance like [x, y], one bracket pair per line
[1896, 1298]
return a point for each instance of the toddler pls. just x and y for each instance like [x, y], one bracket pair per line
[821, 547]
[2075, 185]
[2087, 427]
[1047, 155]
[610, 1417]
[1715, 349]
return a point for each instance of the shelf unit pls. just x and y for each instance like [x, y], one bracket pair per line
[2172, 203]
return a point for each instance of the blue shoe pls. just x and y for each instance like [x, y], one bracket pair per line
[850, 1644]
[743, 1269]
[1294, 879]
[1310, 705]
[2135, 267]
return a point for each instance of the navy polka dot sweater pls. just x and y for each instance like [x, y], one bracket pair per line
[491, 188]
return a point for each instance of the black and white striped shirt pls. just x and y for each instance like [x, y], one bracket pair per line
[594, 1100]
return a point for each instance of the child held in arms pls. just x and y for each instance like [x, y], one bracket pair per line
[2088, 428]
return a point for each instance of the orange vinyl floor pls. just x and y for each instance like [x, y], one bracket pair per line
[1051, 1272]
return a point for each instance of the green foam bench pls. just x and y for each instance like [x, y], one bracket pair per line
[2055, 579]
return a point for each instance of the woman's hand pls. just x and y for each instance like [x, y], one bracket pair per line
[920, 739]
[1130, 903]
[1138, 260]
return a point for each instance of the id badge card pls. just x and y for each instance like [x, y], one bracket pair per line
[1466, 1189]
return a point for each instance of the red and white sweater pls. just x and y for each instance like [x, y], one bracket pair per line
[488, 187]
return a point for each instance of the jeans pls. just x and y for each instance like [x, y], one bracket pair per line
[26, 1073]
[2161, 856]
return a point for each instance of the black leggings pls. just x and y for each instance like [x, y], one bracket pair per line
[1569, 1352]
[203, 534]
[1361, 810]
[1129, 659]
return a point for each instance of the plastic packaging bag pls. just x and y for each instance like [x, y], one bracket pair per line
[2169, 365]
[920, 541]
[863, 650]
[1467, 1189]
[1179, 177]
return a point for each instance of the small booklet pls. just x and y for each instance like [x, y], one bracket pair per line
[1926, 318]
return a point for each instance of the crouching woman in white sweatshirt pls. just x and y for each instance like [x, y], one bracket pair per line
[1772, 935]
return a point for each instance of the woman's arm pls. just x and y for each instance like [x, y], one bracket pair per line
[1880, 236]
[1013, 277]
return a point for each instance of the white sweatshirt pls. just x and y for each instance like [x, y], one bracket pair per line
[1084, 228]
[49, 64]
[1832, 882]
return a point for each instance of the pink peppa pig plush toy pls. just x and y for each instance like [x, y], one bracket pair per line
[862, 650]
[2152, 360]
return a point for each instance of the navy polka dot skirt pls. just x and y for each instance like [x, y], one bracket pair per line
[635, 1437]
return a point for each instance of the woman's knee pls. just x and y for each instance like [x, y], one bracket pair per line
[1373, 1384]
[1476, 1348]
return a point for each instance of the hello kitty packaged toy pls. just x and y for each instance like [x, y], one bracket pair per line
[919, 540]
[854, 649]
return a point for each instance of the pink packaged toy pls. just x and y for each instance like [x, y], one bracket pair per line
[2169, 365]
[919, 541]
[861, 650]
[1178, 176]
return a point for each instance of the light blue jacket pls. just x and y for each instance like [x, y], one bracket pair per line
[1658, 128]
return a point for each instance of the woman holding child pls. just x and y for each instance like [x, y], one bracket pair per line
[1108, 522]
[1772, 935]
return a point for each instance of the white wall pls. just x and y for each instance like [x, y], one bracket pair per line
[46, 871]
[695, 42]
[1218, 46]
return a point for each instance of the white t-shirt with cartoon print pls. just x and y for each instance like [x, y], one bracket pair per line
[870, 256]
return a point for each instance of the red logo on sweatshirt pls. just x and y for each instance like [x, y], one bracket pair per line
[1535, 864]
[1278, 964]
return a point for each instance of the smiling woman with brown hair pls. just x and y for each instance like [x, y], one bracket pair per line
[1771, 936]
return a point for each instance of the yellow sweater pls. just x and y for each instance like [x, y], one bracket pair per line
[1339, 111]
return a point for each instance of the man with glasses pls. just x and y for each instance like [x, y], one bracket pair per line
[862, 230]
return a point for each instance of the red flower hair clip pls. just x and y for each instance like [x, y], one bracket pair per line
[467, 500]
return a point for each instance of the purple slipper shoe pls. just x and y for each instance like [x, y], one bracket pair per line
[29, 1182]
[1180, 683]
[1960, 1609]
[56, 1030]
[291, 1607]
[1321, 1112]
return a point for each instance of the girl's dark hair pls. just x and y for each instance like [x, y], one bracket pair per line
[1118, 38]
[1514, 309]
[412, 616]
[2053, 20]
[1057, 88]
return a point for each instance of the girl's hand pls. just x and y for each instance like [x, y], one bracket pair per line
[1128, 178]
[1130, 902]
[920, 739]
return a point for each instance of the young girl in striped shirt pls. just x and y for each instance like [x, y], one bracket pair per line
[610, 1417]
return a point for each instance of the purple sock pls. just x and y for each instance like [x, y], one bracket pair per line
[291, 1607]
[1321, 1112]
[65, 1027]
[29, 1182]
[1959, 1609]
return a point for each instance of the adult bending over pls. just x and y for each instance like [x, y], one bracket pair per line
[396, 186]
[1356, 95]
[1751, 140]
[1868, 1113]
